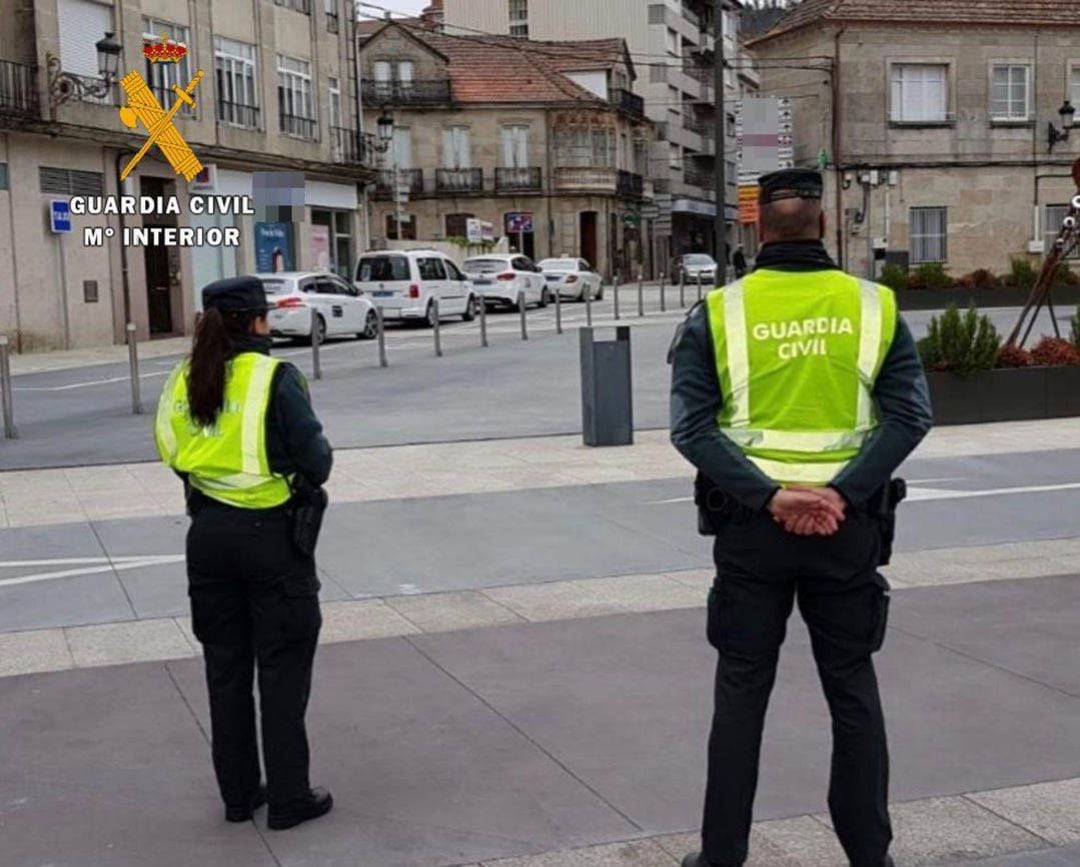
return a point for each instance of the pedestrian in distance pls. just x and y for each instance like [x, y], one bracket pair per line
[237, 426]
[738, 261]
[797, 392]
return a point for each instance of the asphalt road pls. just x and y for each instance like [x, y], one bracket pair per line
[512, 388]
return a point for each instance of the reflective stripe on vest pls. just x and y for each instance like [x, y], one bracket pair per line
[807, 408]
[227, 461]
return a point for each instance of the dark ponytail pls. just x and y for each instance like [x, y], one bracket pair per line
[206, 374]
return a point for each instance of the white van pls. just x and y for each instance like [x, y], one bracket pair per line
[406, 283]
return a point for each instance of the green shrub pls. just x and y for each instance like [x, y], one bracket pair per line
[894, 276]
[1022, 273]
[962, 344]
[1064, 276]
[934, 276]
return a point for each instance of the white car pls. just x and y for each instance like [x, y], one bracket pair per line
[572, 278]
[407, 283]
[500, 277]
[305, 299]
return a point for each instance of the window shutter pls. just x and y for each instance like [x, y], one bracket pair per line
[82, 23]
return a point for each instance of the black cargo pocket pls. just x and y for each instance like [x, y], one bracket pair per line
[301, 616]
[714, 611]
[879, 612]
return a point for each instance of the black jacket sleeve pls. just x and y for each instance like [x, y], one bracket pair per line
[696, 401]
[295, 440]
[902, 397]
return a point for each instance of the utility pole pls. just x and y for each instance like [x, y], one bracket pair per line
[720, 175]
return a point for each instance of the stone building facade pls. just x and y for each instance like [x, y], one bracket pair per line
[279, 94]
[542, 136]
[933, 117]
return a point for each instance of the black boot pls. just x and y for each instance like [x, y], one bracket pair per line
[242, 812]
[697, 859]
[319, 802]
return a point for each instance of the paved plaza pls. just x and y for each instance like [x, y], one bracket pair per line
[514, 670]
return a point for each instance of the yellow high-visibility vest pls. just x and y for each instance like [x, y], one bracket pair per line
[226, 461]
[797, 354]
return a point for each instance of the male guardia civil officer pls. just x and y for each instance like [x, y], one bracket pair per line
[797, 392]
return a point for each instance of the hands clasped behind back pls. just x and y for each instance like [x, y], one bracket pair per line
[808, 511]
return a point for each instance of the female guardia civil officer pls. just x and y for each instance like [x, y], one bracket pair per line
[238, 428]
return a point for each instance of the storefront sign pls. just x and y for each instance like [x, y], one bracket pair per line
[479, 231]
[519, 223]
[748, 204]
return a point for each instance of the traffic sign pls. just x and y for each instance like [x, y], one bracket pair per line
[519, 222]
[59, 216]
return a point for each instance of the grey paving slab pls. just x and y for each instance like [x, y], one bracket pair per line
[424, 772]
[71, 601]
[1068, 857]
[149, 536]
[644, 683]
[107, 767]
[1031, 630]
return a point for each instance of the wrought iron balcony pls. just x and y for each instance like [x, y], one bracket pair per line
[301, 127]
[630, 184]
[414, 178]
[699, 179]
[18, 89]
[166, 96]
[238, 114]
[348, 147]
[580, 178]
[436, 92]
[459, 180]
[702, 74]
[518, 179]
[626, 101]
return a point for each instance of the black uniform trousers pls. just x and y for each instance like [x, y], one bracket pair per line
[254, 601]
[761, 570]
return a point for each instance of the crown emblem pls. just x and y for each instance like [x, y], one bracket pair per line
[164, 51]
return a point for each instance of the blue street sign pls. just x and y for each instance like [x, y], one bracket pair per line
[59, 216]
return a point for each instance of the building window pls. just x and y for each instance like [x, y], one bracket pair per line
[296, 108]
[929, 228]
[1055, 216]
[237, 94]
[671, 42]
[70, 182]
[402, 149]
[337, 240]
[299, 5]
[519, 18]
[4, 184]
[333, 23]
[515, 146]
[162, 76]
[78, 56]
[456, 151]
[919, 93]
[457, 225]
[1010, 92]
[407, 228]
[1074, 86]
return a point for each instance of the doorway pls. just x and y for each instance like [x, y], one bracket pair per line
[162, 264]
[587, 233]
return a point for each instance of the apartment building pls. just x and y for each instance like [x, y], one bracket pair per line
[672, 43]
[941, 121]
[278, 95]
[545, 140]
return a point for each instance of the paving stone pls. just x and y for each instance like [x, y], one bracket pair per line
[1050, 810]
[118, 643]
[31, 652]
[702, 579]
[804, 840]
[445, 612]
[645, 853]
[356, 621]
[559, 600]
[643, 592]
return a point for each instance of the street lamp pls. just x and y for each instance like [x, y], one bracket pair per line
[1054, 135]
[385, 124]
[64, 86]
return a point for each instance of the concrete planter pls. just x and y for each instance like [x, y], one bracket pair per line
[1005, 395]
[937, 299]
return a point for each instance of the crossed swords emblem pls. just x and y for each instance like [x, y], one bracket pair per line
[144, 107]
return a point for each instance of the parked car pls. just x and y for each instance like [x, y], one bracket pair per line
[407, 283]
[500, 277]
[572, 278]
[692, 265]
[305, 299]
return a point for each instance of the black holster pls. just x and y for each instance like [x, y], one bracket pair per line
[883, 506]
[307, 508]
[715, 508]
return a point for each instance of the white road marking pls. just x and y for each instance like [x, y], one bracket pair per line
[71, 386]
[86, 561]
[117, 564]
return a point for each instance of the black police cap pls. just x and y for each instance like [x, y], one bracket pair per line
[791, 184]
[236, 295]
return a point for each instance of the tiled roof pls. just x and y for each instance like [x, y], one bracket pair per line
[584, 54]
[1015, 13]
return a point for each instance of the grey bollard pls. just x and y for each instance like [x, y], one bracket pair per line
[640, 294]
[615, 293]
[606, 389]
[558, 311]
[133, 369]
[698, 285]
[6, 393]
[663, 293]
[316, 345]
[380, 324]
[588, 306]
[682, 289]
[483, 321]
[524, 315]
[436, 327]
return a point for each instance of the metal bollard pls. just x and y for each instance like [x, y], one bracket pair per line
[436, 327]
[588, 305]
[640, 294]
[380, 324]
[316, 345]
[615, 294]
[558, 310]
[133, 365]
[682, 289]
[524, 317]
[663, 293]
[698, 285]
[483, 321]
[6, 390]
